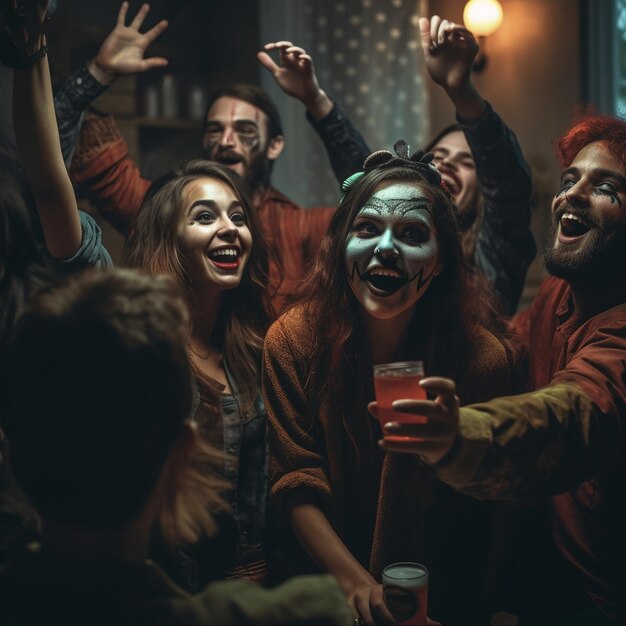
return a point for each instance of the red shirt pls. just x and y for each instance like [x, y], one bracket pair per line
[589, 515]
[114, 185]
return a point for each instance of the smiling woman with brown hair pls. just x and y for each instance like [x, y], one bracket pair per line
[389, 284]
[198, 225]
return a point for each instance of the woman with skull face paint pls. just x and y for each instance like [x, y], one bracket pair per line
[390, 283]
[198, 225]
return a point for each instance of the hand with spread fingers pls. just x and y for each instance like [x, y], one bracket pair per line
[433, 435]
[122, 52]
[295, 75]
[449, 52]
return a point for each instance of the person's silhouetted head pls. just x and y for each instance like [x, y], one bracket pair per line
[97, 396]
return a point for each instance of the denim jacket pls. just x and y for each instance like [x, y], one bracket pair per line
[245, 441]
[238, 549]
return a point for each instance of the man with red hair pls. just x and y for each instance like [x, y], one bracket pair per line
[564, 440]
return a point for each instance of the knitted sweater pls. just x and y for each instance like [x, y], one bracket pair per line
[384, 507]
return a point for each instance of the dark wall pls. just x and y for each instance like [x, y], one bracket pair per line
[215, 39]
[6, 119]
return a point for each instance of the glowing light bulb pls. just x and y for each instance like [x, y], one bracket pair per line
[482, 17]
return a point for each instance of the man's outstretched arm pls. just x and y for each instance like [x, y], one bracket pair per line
[538, 443]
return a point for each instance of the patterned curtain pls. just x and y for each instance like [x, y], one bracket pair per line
[367, 57]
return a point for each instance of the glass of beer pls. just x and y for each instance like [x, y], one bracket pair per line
[397, 381]
[405, 590]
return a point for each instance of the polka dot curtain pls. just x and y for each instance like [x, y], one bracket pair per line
[368, 59]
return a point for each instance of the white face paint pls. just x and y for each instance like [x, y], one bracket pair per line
[392, 252]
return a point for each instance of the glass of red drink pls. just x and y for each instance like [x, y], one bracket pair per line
[397, 381]
[405, 590]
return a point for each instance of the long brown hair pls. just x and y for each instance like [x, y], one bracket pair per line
[153, 245]
[457, 301]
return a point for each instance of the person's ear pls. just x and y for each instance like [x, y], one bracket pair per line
[275, 147]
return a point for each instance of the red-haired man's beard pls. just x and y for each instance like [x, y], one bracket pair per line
[598, 256]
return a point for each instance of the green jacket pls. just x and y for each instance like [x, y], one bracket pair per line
[43, 589]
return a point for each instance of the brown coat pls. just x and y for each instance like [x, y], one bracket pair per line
[385, 507]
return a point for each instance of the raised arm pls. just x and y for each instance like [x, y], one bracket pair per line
[72, 238]
[38, 139]
[295, 75]
[122, 53]
[449, 51]
[505, 245]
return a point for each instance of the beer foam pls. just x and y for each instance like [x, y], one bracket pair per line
[405, 575]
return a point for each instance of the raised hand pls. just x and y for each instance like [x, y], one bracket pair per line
[122, 52]
[296, 76]
[449, 51]
[433, 435]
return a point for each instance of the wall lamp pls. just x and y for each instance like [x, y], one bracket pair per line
[482, 18]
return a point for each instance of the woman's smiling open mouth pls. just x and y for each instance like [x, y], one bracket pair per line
[225, 258]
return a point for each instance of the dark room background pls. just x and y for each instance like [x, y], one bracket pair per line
[547, 57]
